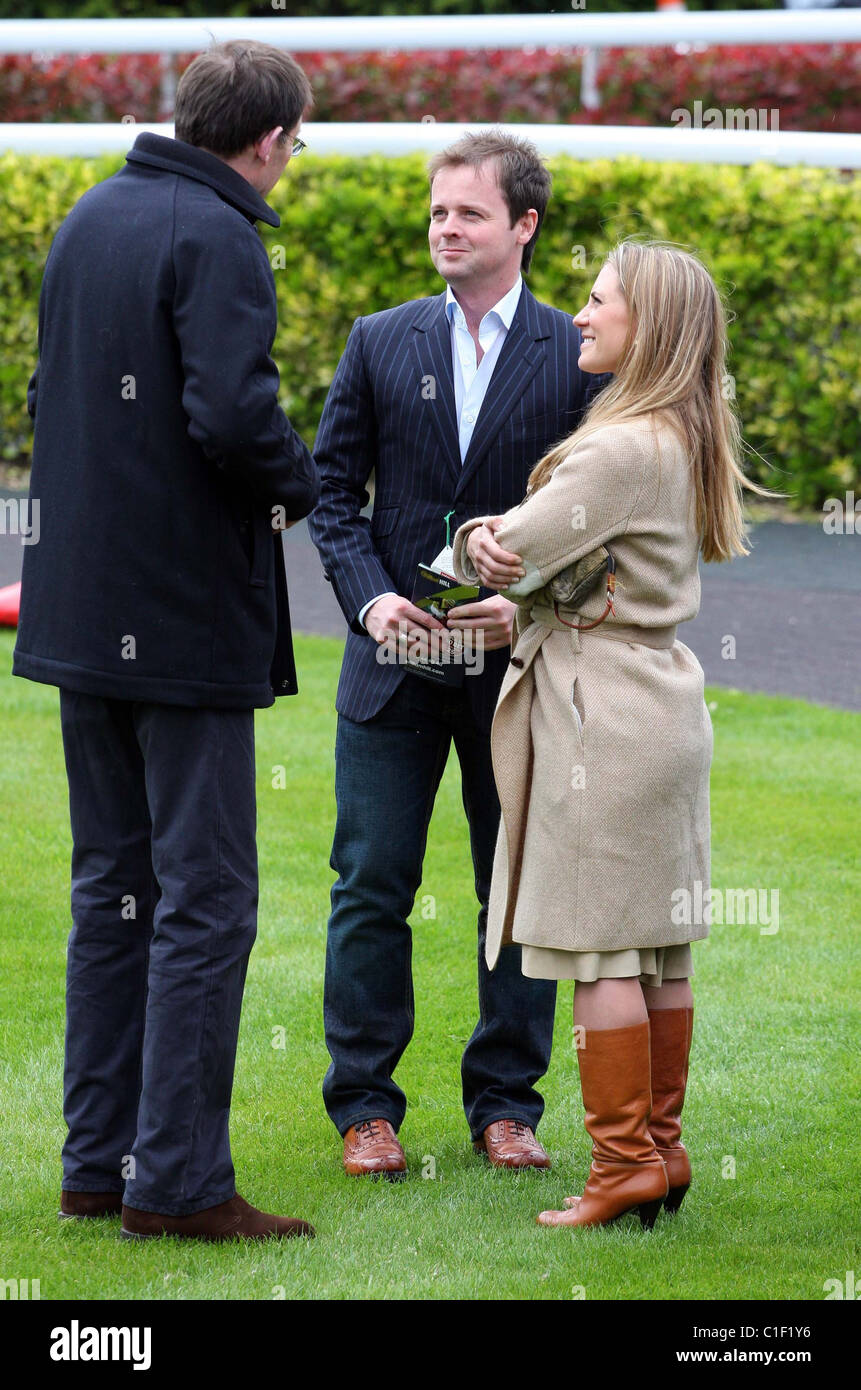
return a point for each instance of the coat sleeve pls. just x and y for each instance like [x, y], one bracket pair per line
[466, 572]
[590, 498]
[345, 455]
[225, 317]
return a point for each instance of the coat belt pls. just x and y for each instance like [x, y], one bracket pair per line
[659, 637]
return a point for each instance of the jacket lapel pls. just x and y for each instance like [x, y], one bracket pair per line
[431, 347]
[522, 354]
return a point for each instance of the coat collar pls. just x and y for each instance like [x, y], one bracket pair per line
[180, 158]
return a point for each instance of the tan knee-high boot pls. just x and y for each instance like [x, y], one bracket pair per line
[671, 1045]
[627, 1171]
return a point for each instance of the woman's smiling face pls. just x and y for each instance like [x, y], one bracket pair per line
[603, 324]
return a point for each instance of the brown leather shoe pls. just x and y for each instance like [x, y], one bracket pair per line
[511, 1144]
[233, 1220]
[373, 1148]
[76, 1206]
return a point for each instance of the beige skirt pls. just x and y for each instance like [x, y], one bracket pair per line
[653, 964]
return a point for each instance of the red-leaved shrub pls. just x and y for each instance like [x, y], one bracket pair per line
[814, 87]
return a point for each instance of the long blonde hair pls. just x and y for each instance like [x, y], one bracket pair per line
[673, 367]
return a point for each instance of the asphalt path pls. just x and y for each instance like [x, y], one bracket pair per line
[785, 619]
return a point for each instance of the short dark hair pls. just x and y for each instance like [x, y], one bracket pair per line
[524, 180]
[235, 92]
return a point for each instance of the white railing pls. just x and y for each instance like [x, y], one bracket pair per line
[572, 30]
[578, 141]
[413, 32]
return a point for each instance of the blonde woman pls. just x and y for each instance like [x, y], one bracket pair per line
[601, 740]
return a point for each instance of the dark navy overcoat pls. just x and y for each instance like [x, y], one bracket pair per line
[160, 449]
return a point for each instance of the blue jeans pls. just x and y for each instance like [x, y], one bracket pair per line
[164, 910]
[387, 774]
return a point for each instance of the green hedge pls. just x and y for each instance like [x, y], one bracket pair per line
[783, 244]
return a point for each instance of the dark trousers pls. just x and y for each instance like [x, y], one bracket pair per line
[387, 774]
[164, 911]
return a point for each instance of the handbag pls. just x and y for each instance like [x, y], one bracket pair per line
[573, 585]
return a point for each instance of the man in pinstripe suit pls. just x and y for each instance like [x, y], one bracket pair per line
[449, 401]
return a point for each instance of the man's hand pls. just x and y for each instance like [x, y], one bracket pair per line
[496, 568]
[494, 616]
[384, 617]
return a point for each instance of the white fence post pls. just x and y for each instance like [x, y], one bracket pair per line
[590, 95]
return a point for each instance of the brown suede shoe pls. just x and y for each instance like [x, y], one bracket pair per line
[373, 1148]
[76, 1206]
[511, 1144]
[233, 1220]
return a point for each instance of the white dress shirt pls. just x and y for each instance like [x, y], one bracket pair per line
[471, 377]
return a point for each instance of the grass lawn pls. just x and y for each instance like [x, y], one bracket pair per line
[774, 1074]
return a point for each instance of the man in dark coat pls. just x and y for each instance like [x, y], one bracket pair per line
[156, 600]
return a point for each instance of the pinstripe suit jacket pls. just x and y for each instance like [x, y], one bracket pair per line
[390, 410]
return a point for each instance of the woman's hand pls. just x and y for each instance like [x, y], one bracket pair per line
[496, 568]
[492, 617]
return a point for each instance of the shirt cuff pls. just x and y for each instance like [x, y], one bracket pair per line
[362, 611]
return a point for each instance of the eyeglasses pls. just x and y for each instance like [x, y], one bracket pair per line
[298, 146]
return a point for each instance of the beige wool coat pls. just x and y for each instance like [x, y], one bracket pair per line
[601, 740]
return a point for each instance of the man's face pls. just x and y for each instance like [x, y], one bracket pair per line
[472, 241]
